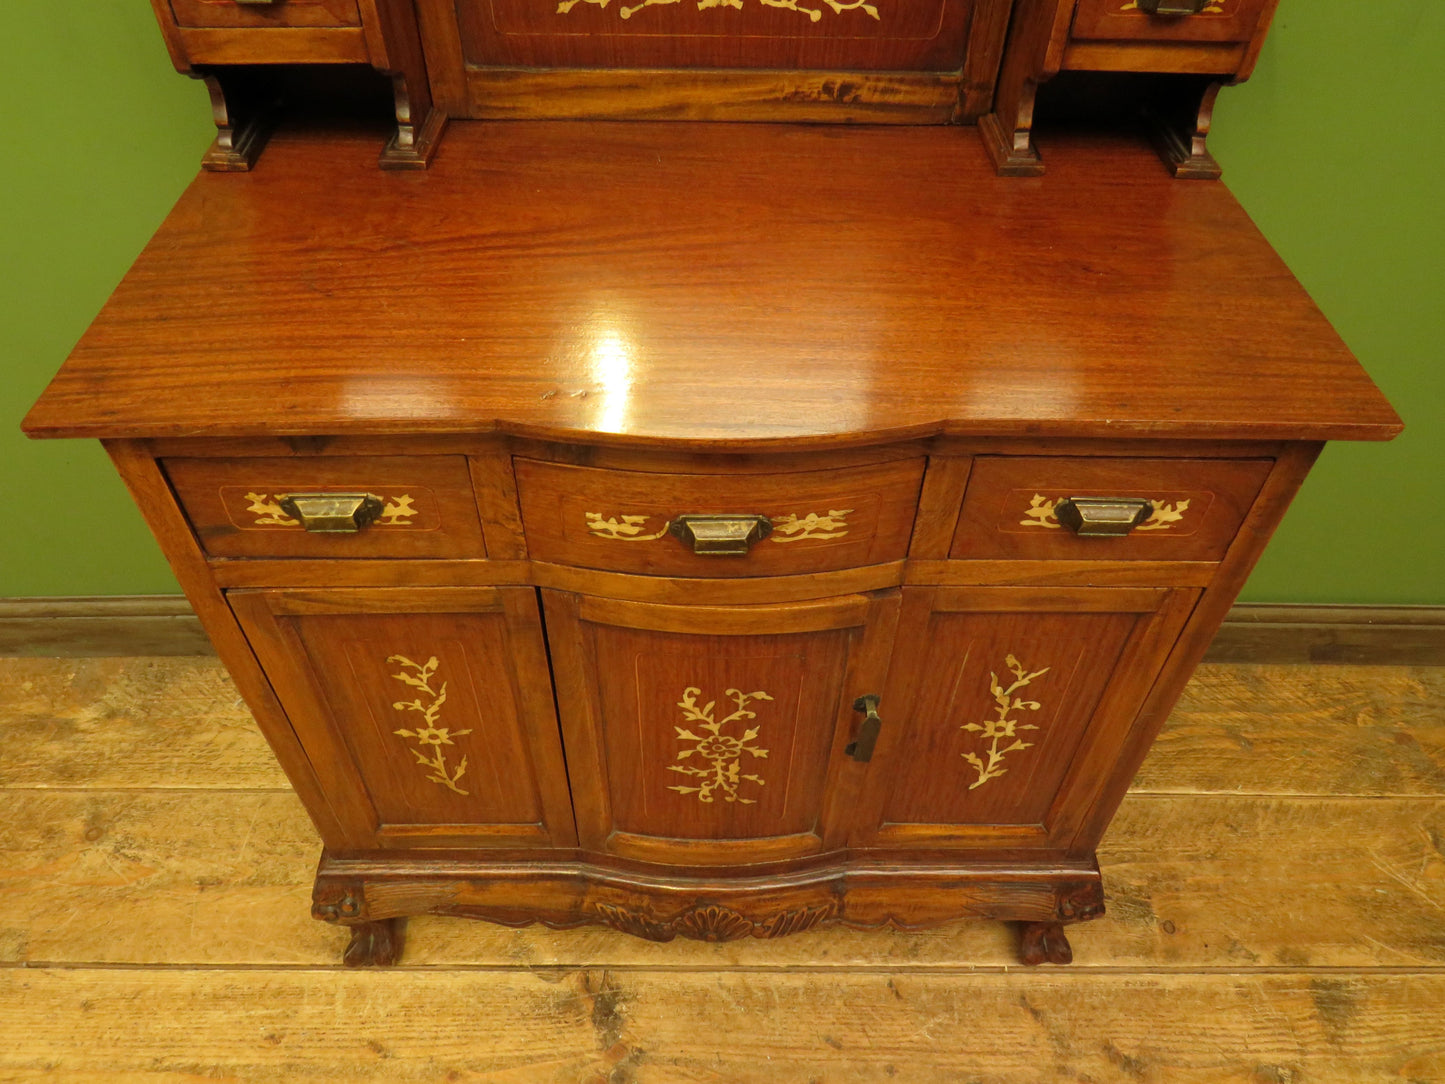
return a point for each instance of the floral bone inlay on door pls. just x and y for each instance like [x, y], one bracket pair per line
[996, 731]
[723, 751]
[428, 734]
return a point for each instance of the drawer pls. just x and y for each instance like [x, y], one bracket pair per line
[1122, 20]
[293, 13]
[637, 521]
[1012, 507]
[424, 505]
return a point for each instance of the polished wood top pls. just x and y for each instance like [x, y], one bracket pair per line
[709, 283]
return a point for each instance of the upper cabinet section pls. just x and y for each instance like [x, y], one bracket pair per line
[874, 61]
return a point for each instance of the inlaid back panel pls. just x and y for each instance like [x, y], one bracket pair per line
[874, 35]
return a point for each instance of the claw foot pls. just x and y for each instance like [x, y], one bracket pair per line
[1044, 942]
[375, 944]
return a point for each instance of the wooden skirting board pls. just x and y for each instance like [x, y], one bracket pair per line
[1253, 632]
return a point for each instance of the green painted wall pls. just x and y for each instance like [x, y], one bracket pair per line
[1335, 147]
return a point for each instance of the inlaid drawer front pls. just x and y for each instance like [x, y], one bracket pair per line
[383, 506]
[1048, 508]
[1168, 20]
[250, 13]
[718, 525]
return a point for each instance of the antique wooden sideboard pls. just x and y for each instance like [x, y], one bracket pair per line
[709, 529]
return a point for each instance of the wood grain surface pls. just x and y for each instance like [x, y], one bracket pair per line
[594, 1025]
[155, 879]
[779, 286]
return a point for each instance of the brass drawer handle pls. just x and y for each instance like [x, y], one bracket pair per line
[1103, 517]
[259, 3]
[721, 535]
[332, 513]
[862, 749]
[1172, 7]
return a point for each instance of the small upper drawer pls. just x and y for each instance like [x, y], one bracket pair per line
[1122, 20]
[250, 13]
[636, 521]
[1011, 509]
[423, 505]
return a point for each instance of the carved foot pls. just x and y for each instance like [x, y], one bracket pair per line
[1044, 942]
[375, 944]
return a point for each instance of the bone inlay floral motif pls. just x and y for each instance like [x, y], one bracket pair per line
[1003, 729]
[723, 752]
[1040, 513]
[622, 528]
[789, 528]
[266, 507]
[813, 9]
[428, 734]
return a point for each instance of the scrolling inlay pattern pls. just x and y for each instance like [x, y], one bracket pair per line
[1040, 513]
[802, 7]
[723, 751]
[266, 507]
[428, 734]
[789, 528]
[997, 731]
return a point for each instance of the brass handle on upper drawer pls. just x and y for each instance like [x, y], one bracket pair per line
[862, 748]
[1103, 517]
[332, 513]
[1172, 7]
[721, 535]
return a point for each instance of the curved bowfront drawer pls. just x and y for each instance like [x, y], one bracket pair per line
[718, 524]
[330, 506]
[1044, 508]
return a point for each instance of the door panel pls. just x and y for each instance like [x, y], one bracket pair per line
[999, 706]
[432, 709]
[712, 734]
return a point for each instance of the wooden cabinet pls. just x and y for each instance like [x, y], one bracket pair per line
[1006, 707]
[238, 46]
[1181, 53]
[428, 710]
[680, 546]
[714, 735]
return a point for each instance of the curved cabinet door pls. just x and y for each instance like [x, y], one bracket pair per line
[427, 712]
[1007, 710]
[713, 735]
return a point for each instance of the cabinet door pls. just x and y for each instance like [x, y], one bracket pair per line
[1006, 709]
[713, 734]
[426, 712]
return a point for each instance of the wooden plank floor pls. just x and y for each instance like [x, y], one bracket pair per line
[1276, 893]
